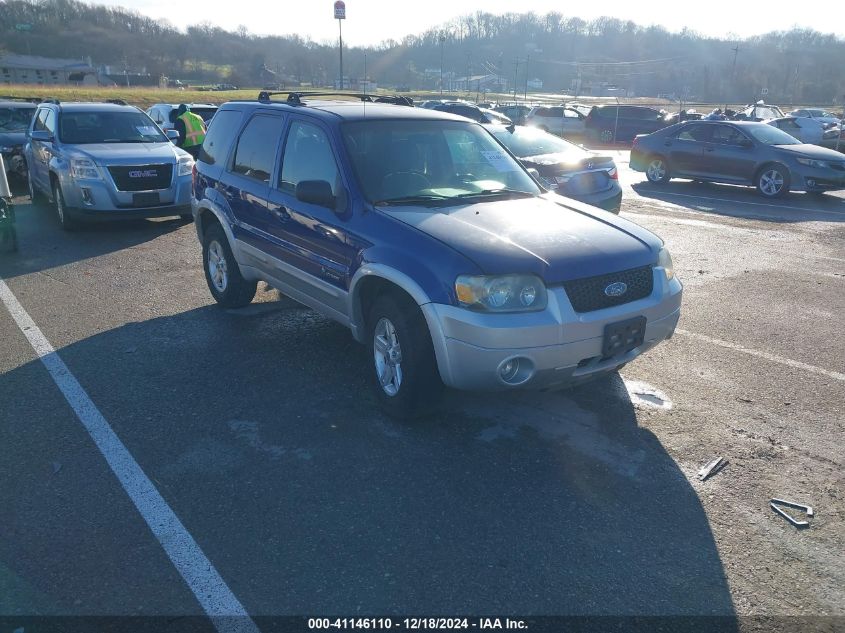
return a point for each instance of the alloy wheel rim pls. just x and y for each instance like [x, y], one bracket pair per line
[656, 170]
[217, 268]
[771, 182]
[387, 354]
[607, 136]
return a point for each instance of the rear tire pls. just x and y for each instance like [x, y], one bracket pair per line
[404, 375]
[606, 136]
[773, 181]
[657, 170]
[222, 274]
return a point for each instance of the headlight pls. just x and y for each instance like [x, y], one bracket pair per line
[184, 167]
[84, 168]
[6, 149]
[502, 293]
[812, 163]
[664, 260]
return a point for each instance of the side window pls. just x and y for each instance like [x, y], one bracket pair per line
[40, 120]
[220, 135]
[727, 135]
[308, 156]
[556, 112]
[255, 154]
[50, 123]
[695, 133]
[571, 114]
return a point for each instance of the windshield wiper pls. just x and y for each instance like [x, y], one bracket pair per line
[487, 193]
[417, 199]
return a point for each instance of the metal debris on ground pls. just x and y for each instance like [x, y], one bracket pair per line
[775, 504]
[712, 468]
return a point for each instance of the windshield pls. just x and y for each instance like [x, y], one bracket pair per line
[419, 161]
[15, 119]
[79, 128]
[527, 141]
[769, 135]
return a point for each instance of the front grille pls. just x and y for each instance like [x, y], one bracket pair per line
[588, 294]
[142, 177]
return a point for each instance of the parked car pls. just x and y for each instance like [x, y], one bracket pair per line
[102, 161]
[759, 112]
[807, 130]
[558, 120]
[164, 113]
[564, 167]
[472, 111]
[515, 112]
[680, 117]
[15, 119]
[422, 234]
[744, 153]
[580, 107]
[613, 124]
[823, 116]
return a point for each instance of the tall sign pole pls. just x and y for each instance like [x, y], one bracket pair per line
[340, 14]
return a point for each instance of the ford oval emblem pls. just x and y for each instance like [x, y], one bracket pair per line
[616, 289]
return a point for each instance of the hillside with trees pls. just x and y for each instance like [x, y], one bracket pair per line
[794, 66]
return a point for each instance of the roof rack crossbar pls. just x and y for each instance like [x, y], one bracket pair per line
[295, 97]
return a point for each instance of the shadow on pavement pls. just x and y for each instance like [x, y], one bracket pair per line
[744, 202]
[258, 428]
[44, 245]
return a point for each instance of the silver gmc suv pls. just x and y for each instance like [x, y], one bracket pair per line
[105, 161]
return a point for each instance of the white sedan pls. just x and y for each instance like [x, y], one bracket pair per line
[807, 130]
[823, 116]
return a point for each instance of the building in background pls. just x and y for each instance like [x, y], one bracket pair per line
[46, 71]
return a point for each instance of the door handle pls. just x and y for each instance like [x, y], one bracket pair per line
[281, 213]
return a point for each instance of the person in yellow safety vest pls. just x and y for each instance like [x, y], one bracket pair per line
[191, 130]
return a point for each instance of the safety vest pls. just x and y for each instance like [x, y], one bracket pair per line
[194, 129]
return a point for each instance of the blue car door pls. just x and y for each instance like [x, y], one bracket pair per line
[246, 184]
[314, 245]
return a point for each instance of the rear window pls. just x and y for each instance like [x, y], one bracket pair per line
[15, 119]
[255, 155]
[205, 113]
[220, 135]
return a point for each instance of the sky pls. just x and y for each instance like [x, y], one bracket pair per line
[373, 21]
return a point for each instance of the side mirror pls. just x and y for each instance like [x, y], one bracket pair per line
[173, 135]
[746, 144]
[316, 192]
[41, 135]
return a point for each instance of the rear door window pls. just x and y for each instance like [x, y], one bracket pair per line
[698, 133]
[219, 138]
[255, 155]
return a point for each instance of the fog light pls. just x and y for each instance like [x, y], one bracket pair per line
[87, 196]
[516, 371]
[811, 183]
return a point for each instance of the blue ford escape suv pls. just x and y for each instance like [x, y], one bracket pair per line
[422, 234]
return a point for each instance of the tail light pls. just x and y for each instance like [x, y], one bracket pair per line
[613, 173]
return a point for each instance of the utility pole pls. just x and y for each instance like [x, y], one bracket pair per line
[516, 63]
[366, 81]
[527, 59]
[340, 15]
[442, 39]
[733, 69]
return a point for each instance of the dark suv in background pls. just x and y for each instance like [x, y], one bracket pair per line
[15, 118]
[613, 124]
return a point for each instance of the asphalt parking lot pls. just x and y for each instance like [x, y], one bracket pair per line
[256, 429]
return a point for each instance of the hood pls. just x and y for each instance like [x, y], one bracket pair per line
[129, 153]
[12, 138]
[811, 151]
[551, 236]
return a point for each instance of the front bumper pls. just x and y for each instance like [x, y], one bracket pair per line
[816, 179]
[555, 347]
[100, 199]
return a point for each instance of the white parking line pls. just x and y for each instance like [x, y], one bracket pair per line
[216, 599]
[770, 207]
[760, 354]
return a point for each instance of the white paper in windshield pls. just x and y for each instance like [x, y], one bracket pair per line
[146, 130]
[499, 160]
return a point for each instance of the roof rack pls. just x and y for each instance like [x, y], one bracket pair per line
[295, 98]
[51, 100]
[25, 99]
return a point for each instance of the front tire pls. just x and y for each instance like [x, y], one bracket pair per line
[658, 171]
[773, 181]
[65, 220]
[404, 375]
[222, 274]
[606, 136]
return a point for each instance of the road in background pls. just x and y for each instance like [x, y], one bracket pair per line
[257, 429]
